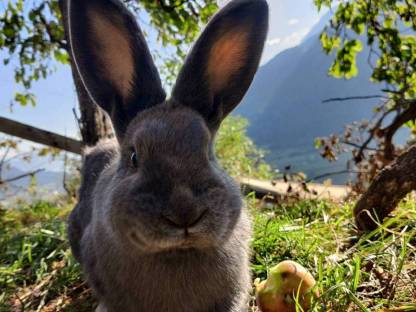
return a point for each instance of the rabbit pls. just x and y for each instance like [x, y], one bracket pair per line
[159, 226]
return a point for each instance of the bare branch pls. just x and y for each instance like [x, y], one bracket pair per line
[29, 174]
[408, 115]
[359, 146]
[330, 174]
[351, 98]
[372, 132]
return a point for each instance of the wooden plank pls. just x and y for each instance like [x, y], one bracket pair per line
[280, 188]
[40, 136]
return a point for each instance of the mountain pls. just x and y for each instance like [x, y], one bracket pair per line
[48, 183]
[286, 110]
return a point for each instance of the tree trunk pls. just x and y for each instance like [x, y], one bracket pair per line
[94, 123]
[389, 187]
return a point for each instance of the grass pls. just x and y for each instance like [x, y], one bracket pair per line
[371, 272]
[37, 270]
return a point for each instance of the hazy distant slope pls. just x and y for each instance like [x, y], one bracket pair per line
[284, 103]
[48, 183]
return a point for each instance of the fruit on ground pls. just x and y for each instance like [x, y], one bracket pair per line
[287, 283]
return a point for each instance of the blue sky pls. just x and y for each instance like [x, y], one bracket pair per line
[290, 21]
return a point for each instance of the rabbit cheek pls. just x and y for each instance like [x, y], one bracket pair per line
[135, 234]
[228, 213]
[132, 217]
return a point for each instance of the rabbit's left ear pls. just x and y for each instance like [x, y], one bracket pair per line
[112, 59]
[222, 63]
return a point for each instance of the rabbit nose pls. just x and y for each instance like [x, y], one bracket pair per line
[185, 220]
[183, 211]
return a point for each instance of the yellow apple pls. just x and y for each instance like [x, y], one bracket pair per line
[285, 282]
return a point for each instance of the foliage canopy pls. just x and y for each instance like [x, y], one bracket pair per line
[32, 37]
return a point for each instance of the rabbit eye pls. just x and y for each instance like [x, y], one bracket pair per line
[133, 159]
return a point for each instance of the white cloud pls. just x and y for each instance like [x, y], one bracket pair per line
[274, 41]
[277, 45]
[293, 21]
[295, 38]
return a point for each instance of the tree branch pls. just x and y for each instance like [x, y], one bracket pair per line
[351, 98]
[52, 37]
[408, 115]
[359, 146]
[330, 174]
[29, 174]
[389, 187]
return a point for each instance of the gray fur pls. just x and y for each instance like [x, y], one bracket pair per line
[156, 273]
[169, 233]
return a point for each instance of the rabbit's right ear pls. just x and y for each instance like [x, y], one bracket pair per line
[112, 59]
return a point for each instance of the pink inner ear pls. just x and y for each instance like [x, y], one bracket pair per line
[226, 58]
[112, 48]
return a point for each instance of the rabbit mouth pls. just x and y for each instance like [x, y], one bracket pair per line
[185, 241]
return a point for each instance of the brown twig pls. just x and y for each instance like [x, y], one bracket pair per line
[24, 175]
[351, 98]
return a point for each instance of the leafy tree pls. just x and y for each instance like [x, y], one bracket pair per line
[32, 39]
[388, 28]
[237, 153]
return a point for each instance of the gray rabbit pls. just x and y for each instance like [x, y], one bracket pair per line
[159, 225]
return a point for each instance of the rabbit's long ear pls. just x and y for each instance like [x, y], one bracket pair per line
[222, 63]
[113, 60]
